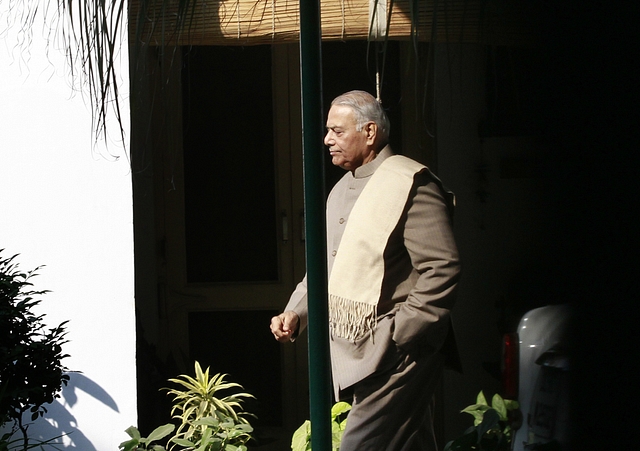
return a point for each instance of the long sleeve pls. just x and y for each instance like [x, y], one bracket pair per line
[428, 239]
[298, 303]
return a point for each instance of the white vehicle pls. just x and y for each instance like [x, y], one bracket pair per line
[543, 379]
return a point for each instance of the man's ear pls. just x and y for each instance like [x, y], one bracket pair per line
[371, 128]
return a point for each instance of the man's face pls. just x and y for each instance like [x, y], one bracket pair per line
[348, 147]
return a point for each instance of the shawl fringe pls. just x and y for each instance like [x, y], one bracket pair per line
[351, 320]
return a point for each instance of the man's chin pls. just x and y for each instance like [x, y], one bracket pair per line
[337, 161]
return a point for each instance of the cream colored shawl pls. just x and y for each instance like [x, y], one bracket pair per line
[356, 278]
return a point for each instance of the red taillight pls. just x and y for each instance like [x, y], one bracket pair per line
[510, 362]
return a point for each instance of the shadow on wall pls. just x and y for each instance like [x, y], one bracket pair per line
[59, 419]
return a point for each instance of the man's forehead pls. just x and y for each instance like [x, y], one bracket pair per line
[340, 116]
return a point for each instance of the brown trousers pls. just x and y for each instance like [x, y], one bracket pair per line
[393, 410]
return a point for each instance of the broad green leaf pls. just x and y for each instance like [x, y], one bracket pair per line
[476, 408]
[481, 399]
[133, 432]
[182, 442]
[339, 408]
[498, 404]
[301, 437]
[161, 432]
[207, 421]
[336, 437]
[245, 427]
[128, 445]
[477, 411]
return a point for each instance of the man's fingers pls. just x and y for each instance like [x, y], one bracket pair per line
[284, 325]
[276, 325]
[277, 329]
[290, 321]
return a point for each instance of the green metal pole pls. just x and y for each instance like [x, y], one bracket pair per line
[316, 256]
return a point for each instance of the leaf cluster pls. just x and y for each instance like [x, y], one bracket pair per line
[207, 421]
[491, 430]
[206, 418]
[301, 440]
[31, 369]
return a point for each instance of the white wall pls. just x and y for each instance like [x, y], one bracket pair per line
[66, 203]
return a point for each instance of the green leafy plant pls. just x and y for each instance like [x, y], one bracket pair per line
[207, 422]
[301, 440]
[138, 443]
[31, 370]
[492, 425]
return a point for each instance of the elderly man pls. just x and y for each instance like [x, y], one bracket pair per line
[393, 269]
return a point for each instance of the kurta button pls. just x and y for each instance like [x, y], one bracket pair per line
[341, 221]
[333, 254]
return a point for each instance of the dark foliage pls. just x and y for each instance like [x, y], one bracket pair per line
[31, 370]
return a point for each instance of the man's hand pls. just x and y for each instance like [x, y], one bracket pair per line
[284, 326]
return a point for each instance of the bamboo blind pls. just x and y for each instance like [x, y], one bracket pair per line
[250, 22]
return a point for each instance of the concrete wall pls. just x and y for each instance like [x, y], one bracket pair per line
[66, 204]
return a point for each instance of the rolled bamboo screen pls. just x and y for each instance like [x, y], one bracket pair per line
[250, 22]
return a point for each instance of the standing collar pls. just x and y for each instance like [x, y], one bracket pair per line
[367, 170]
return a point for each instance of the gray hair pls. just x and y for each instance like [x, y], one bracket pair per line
[366, 108]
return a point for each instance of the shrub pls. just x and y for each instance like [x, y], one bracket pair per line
[492, 426]
[31, 370]
[207, 421]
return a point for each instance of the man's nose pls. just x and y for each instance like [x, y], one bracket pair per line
[327, 138]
